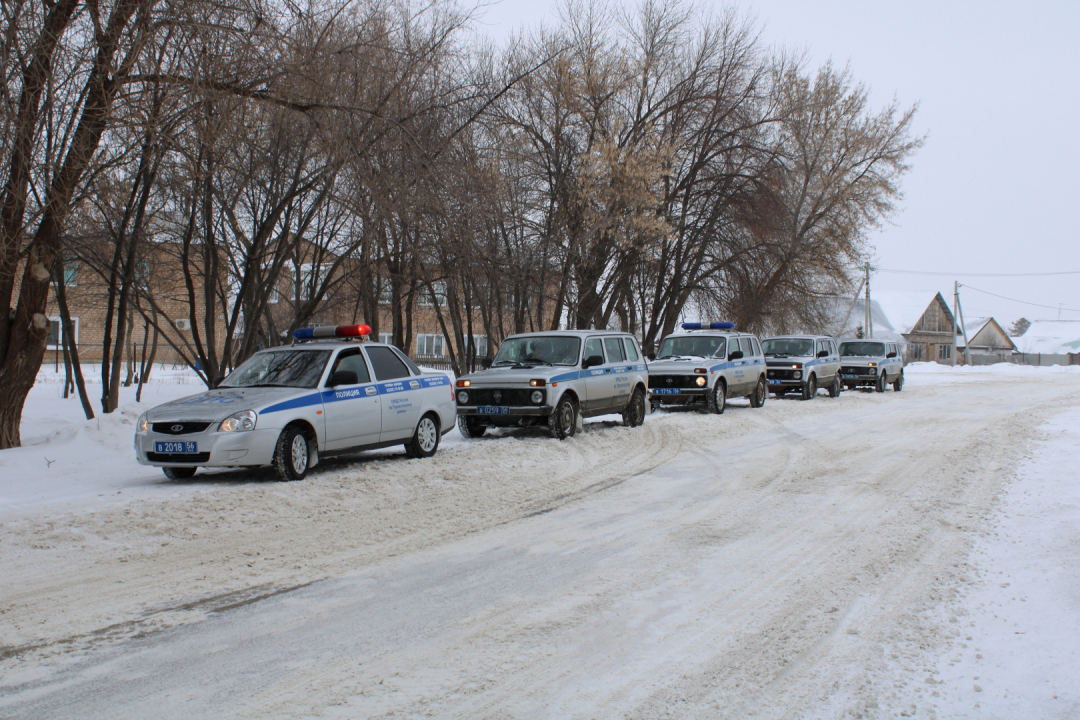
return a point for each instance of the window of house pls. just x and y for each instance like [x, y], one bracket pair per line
[435, 294]
[430, 345]
[944, 352]
[56, 333]
[311, 277]
[387, 338]
[384, 291]
[71, 273]
[480, 345]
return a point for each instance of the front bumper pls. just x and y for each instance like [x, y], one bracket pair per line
[676, 394]
[213, 449]
[505, 411]
[859, 376]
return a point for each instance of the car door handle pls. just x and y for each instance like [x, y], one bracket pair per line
[607, 369]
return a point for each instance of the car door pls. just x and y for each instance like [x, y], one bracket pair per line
[740, 372]
[352, 413]
[597, 378]
[398, 396]
[832, 360]
[621, 379]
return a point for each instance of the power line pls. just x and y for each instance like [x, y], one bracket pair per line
[945, 274]
[1022, 302]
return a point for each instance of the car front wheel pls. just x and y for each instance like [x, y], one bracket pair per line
[880, 384]
[834, 389]
[810, 388]
[470, 427]
[718, 398]
[563, 422]
[898, 384]
[178, 473]
[291, 455]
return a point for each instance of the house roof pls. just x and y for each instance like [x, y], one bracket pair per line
[1050, 336]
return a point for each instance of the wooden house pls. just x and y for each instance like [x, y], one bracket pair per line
[932, 338]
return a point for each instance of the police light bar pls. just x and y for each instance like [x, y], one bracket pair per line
[708, 326]
[339, 331]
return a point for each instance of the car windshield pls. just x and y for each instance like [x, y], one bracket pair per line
[790, 347]
[862, 349]
[692, 346]
[539, 350]
[280, 368]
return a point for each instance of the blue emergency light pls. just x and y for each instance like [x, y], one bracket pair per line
[332, 331]
[709, 326]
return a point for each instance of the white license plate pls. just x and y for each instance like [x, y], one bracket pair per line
[492, 410]
[169, 448]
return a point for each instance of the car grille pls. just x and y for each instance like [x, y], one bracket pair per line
[673, 381]
[178, 457]
[500, 396]
[779, 374]
[179, 428]
[858, 370]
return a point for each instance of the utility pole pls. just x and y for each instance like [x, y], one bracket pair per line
[869, 315]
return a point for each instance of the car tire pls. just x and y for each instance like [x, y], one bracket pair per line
[809, 389]
[634, 414]
[848, 386]
[563, 422]
[470, 427]
[880, 384]
[425, 438]
[717, 400]
[653, 406]
[898, 384]
[178, 473]
[757, 398]
[834, 389]
[291, 458]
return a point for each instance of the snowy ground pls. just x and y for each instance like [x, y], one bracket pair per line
[880, 555]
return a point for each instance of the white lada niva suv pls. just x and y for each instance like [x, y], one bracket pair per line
[288, 406]
[553, 378]
[802, 363]
[871, 363]
[705, 365]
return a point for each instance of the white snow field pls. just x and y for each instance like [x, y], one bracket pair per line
[877, 555]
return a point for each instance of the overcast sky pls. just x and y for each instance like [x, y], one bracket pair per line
[996, 187]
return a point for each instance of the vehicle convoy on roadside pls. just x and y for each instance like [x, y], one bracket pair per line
[290, 406]
[706, 364]
[553, 378]
[871, 363]
[802, 363]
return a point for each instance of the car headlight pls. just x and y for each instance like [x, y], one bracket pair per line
[462, 397]
[873, 364]
[797, 374]
[142, 425]
[537, 397]
[241, 421]
[700, 380]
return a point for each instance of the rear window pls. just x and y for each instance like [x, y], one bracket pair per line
[387, 364]
[631, 349]
[615, 351]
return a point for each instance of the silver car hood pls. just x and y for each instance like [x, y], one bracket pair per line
[688, 365]
[219, 404]
[517, 375]
[860, 360]
[803, 359]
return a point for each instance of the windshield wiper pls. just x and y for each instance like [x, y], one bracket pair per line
[535, 361]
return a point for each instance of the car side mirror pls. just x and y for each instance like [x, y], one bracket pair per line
[217, 381]
[823, 353]
[650, 357]
[891, 355]
[592, 361]
[485, 363]
[343, 377]
[735, 355]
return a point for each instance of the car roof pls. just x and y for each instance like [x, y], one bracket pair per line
[326, 345]
[707, 333]
[799, 337]
[571, 333]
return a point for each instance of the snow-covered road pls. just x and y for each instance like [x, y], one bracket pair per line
[808, 559]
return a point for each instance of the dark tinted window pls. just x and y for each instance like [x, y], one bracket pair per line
[411, 365]
[615, 351]
[386, 363]
[354, 361]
